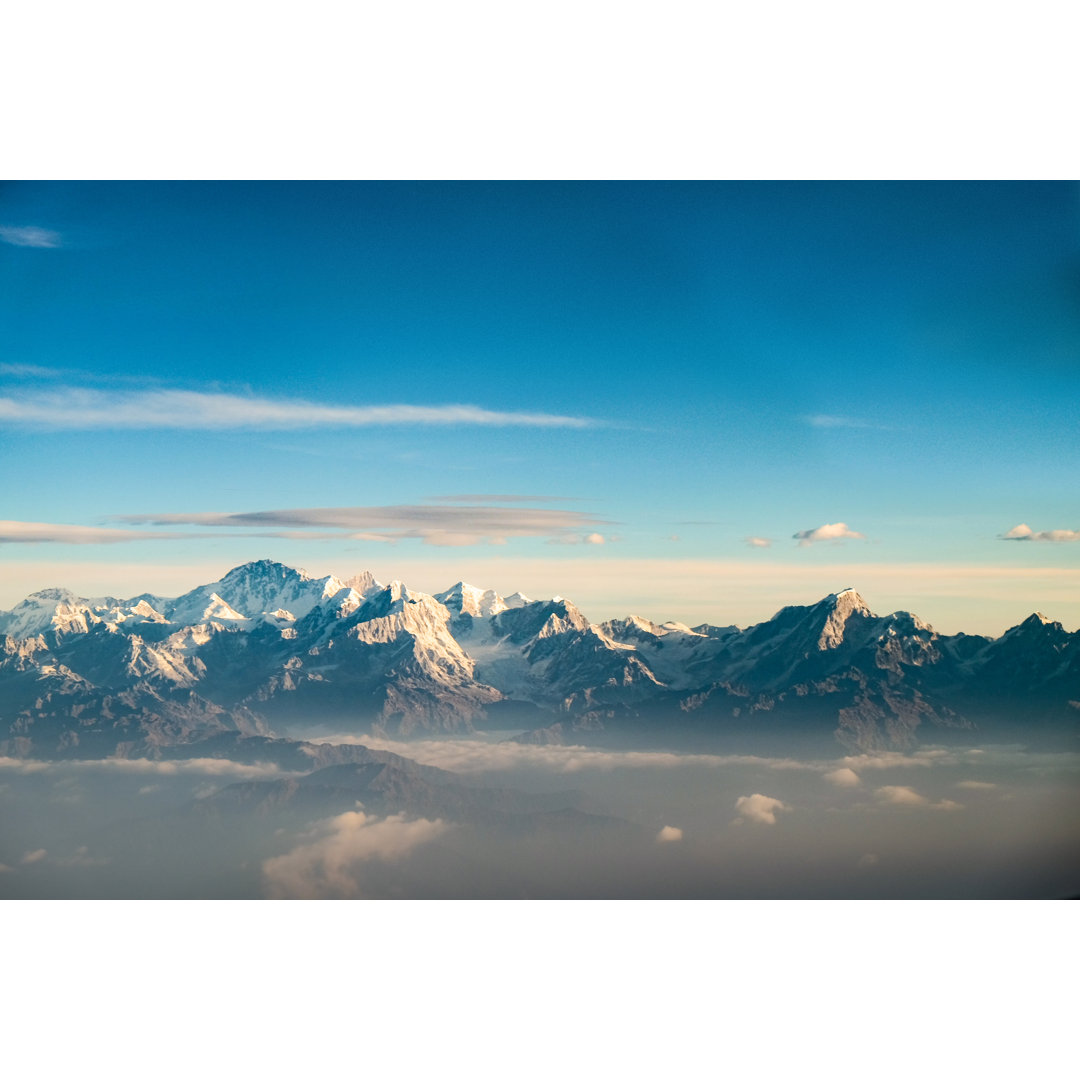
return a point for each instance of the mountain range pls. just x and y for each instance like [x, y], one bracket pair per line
[270, 650]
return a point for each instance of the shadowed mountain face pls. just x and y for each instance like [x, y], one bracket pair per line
[268, 649]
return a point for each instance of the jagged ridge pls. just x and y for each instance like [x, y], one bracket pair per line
[270, 648]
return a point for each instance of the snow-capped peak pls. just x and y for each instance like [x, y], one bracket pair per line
[468, 599]
[260, 588]
[363, 584]
[840, 606]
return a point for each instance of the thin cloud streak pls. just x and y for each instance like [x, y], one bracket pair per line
[502, 498]
[440, 526]
[40, 532]
[30, 236]
[81, 409]
[821, 420]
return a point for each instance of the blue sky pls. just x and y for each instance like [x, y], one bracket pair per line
[636, 395]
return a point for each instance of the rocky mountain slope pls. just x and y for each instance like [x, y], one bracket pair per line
[269, 649]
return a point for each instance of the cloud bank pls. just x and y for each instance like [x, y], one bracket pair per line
[80, 408]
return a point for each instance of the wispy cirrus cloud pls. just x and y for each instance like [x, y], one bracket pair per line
[758, 541]
[31, 371]
[441, 526]
[30, 236]
[825, 420]
[82, 408]
[839, 531]
[1053, 536]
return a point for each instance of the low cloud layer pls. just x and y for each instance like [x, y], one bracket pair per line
[761, 809]
[839, 531]
[81, 408]
[1053, 536]
[214, 767]
[329, 866]
[476, 756]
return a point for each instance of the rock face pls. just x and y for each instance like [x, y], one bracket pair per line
[269, 649]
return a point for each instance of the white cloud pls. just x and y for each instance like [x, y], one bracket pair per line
[845, 778]
[29, 236]
[759, 808]
[886, 759]
[80, 408]
[839, 531]
[758, 541]
[593, 538]
[894, 795]
[669, 835]
[1053, 536]
[906, 796]
[33, 856]
[976, 785]
[327, 867]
